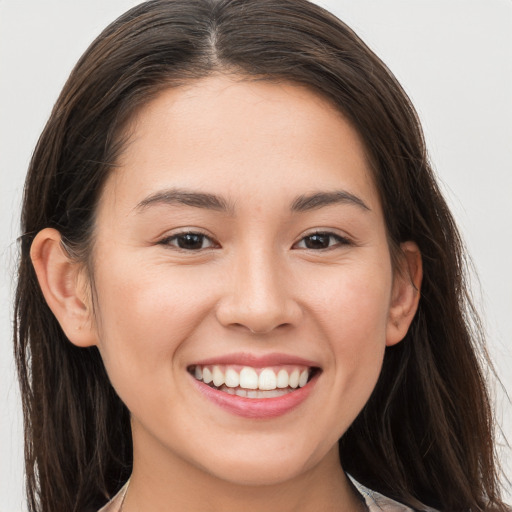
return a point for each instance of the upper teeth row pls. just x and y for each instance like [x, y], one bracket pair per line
[248, 378]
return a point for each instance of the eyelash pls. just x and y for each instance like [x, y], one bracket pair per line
[201, 238]
[176, 238]
[339, 240]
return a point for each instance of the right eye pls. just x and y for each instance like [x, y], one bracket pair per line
[189, 241]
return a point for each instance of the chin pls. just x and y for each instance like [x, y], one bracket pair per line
[265, 473]
[261, 467]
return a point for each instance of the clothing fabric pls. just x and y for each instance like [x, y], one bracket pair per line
[114, 505]
[374, 501]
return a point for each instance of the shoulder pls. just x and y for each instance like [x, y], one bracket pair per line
[376, 502]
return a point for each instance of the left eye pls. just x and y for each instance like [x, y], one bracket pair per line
[189, 241]
[319, 241]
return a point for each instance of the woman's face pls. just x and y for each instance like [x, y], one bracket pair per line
[241, 238]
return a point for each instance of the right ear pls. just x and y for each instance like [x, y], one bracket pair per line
[64, 286]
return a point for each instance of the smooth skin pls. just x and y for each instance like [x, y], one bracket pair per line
[249, 266]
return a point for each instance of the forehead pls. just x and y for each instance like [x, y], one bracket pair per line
[233, 136]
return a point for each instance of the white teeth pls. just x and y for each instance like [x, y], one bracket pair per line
[293, 380]
[267, 379]
[276, 392]
[255, 393]
[207, 376]
[282, 379]
[248, 378]
[218, 376]
[232, 378]
[272, 393]
[303, 379]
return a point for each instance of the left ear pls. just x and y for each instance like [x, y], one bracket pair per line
[406, 293]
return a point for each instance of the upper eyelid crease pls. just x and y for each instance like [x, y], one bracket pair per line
[340, 238]
[166, 240]
[184, 233]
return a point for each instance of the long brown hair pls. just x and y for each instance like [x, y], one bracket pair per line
[426, 434]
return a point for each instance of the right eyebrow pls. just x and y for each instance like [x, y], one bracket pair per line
[187, 198]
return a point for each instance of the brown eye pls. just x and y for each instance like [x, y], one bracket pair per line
[189, 241]
[319, 241]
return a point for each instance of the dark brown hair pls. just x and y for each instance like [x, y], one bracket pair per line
[426, 434]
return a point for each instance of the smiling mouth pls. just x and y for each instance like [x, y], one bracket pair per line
[249, 382]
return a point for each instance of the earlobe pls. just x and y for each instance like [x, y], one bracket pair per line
[63, 285]
[405, 294]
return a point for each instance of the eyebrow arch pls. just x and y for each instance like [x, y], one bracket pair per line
[316, 200]
[185, 197]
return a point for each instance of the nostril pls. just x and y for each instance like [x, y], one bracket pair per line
[257, 317]
[267, 330]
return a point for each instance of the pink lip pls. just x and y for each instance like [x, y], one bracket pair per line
[255, 361]
[256, 408]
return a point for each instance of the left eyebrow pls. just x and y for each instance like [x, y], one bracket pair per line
[316, 200]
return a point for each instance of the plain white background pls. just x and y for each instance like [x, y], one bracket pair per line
[454, 58]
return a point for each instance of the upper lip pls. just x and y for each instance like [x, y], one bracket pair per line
[256, 361]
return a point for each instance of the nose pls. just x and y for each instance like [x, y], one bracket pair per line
[257, 295]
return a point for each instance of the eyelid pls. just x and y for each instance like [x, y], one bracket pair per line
[168, 237]
[343, 239]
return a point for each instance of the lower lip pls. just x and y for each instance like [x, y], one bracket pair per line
[260, 408]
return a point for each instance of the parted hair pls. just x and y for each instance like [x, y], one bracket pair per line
[425, 437]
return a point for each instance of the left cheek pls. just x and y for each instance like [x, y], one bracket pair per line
[353, 316]
[357, 345]
[355, 306]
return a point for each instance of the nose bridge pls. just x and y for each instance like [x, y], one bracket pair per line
[258, 280]
[257, 297]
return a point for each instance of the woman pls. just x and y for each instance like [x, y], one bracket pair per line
[228, 221]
